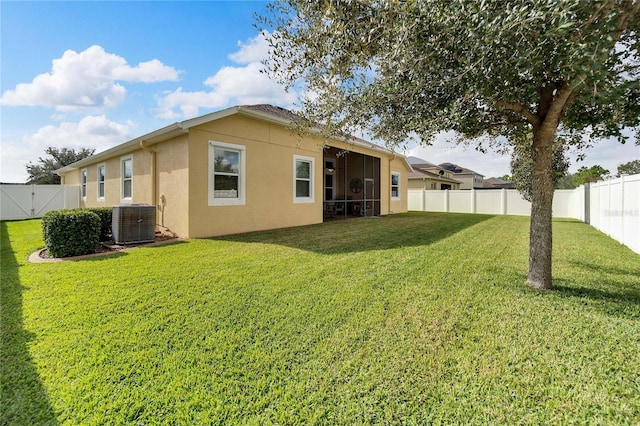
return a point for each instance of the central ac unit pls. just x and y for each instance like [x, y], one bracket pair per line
[135, 223]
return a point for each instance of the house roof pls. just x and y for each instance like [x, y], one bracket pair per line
[497, 183]
[414, 161]
[424, 174]
[458, 169]
[263, 112]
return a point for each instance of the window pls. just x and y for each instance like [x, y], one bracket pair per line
[302, 179]
[226, 174]
[395, 186]
[83, 183]
[101, 177]
[433, 185]
[126, 171]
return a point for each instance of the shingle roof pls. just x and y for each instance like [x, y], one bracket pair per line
[421, 174]
[274, 111]
[458, 169]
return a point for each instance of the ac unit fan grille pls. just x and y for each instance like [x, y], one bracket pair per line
[134, 223]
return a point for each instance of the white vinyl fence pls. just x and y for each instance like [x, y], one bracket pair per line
[614, 208]
[611, 206]
[29, 201]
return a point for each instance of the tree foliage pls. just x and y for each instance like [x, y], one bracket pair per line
[407, 69]
[526, 70]
[42, 172]
[630, 168]
[566, 182]
[589, 174]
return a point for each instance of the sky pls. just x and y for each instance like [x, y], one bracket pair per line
[95, 74]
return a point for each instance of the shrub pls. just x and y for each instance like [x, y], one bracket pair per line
[71, 232]
[106, 217]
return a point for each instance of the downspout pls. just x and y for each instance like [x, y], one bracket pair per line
[144, 146]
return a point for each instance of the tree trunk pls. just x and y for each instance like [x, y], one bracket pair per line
[540, 235]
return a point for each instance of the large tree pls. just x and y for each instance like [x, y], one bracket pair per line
[42, 172]
[526, 70]
[590, 174]
[522, 167]
[630, 168]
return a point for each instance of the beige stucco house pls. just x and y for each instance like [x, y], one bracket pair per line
[242, 169]
[429, 176]
[469, 179]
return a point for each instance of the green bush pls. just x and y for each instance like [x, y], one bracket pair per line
[106, 217]
[71, 232]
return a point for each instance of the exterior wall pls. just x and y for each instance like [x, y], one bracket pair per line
[113, 183]
[172, 184]
[172, 196]
[400, 205]
[425, 183]
[418, 184]
[268, 173]
[180, 190]
[269, 202]
[467, 181]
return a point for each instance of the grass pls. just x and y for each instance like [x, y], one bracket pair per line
[416, 318]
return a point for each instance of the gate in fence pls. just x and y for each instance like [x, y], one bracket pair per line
[31, 201]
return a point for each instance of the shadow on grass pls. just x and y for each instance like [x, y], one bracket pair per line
[625, 298]
[24, 399]
[123, 253]
[624, 303]
[629, 271]
[411, 229]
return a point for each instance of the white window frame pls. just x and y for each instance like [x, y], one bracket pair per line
[311, 161]
[391, 186]
[123, 179]
[242, 151]
[104, 182]
[83, 183]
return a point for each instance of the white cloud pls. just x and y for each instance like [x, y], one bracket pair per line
[85, 80]
[151, 71]
[189, 103]
[238, 85]
[254, 50]
[91, 132]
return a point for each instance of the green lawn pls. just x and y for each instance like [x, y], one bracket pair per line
[408, 319]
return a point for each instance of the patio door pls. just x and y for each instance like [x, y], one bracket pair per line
[369, 197]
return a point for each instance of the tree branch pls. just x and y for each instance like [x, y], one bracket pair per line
[559, 104]
[519, 109]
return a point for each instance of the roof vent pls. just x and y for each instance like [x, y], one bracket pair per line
[135, 223]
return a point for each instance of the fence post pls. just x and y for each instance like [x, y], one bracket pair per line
[622, 214]
[423, 199]
[473, 200]
[503, 201]
[33, 200]
[446, 201]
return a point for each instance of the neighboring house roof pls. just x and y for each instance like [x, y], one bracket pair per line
[497, 183]
[263, 112]
[458, 169]
[416, 160]
[423, 168]
[424, 174]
